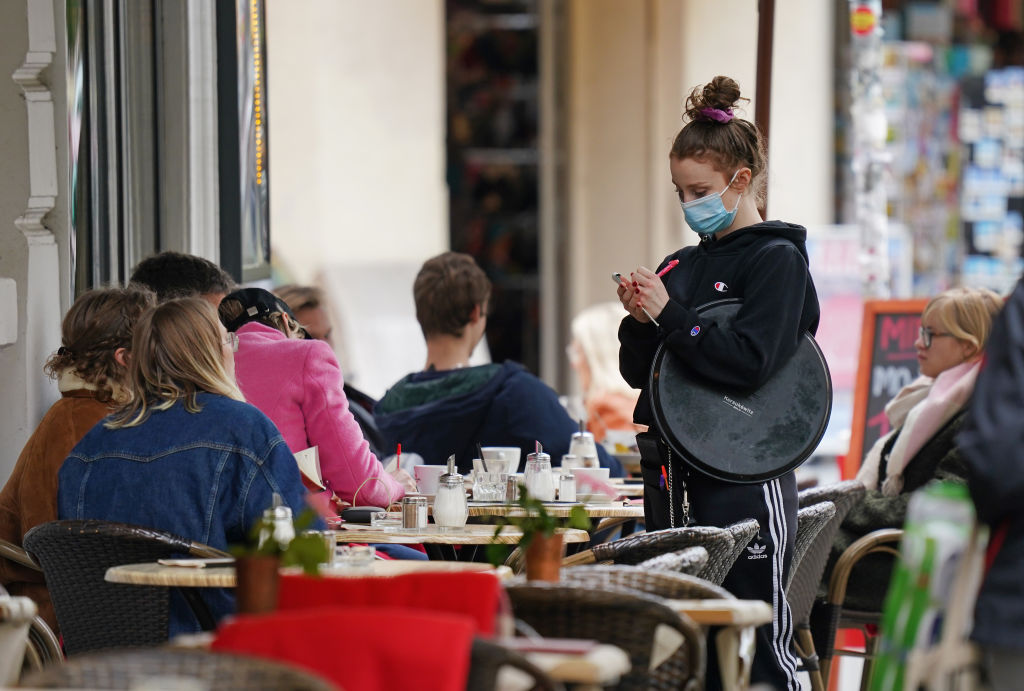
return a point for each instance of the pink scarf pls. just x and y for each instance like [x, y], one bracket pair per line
[917, 413]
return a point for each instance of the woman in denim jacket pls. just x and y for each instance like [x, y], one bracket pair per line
[187, 455]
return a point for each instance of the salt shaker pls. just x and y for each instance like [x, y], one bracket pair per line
[567, 487]
[451, 510]
[538, 475]
[414, 513]
[277, 523]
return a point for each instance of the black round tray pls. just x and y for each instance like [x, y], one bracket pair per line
[742, 436]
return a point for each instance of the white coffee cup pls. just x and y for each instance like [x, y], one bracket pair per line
[507, 455]
[427, 477]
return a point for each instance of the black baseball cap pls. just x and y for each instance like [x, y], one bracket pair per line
[256, 304]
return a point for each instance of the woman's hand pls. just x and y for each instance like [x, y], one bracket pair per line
[404, 479]
[630, 299]
[643, 290]
[650, 291]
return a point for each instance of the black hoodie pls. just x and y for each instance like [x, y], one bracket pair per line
[765, 265]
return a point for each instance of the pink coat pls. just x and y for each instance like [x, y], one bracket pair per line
[298, 385]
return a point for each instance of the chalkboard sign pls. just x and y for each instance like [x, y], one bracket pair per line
[888, 362]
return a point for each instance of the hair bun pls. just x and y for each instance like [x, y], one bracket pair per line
[714, 101]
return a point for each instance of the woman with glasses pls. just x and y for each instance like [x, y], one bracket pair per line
[924, 418]
[186, 454]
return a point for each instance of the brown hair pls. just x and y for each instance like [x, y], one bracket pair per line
[447, 289]
[966, 313]
[300, 297]
[98, 323]
[176, 353]
[727, 145]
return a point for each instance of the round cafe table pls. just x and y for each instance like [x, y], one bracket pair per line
[152, 573]
[559, 510]
[439, 542]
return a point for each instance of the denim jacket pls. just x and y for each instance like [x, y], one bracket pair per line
[204, 476]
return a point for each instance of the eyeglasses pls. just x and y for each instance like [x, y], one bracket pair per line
[232, 341]
[927, 335]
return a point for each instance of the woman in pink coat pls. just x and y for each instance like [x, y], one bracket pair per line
[297, 383]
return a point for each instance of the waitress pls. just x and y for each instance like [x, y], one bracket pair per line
[718, 167]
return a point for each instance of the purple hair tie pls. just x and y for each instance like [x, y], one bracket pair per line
[717, 114]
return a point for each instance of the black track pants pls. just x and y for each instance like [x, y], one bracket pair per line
[760, 572]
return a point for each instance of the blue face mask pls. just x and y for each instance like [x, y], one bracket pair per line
[707, 215]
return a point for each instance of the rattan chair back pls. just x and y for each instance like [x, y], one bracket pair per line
[805, 581]
[622, 617]
[92, 613]
[720, 544]
[690, 560]
[667, 584]
[810, 520]
[129, 669]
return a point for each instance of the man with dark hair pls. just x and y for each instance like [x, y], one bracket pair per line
[176, 275]
[451, 407]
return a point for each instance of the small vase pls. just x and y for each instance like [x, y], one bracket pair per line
[544, 558]
[256, 584]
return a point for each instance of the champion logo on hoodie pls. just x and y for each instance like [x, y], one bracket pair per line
[721, 287]
[695, 330]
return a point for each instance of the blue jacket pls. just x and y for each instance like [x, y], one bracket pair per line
[436, 414]
[204, 476]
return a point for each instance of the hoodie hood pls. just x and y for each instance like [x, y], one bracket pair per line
[436, 414]
[751, 235]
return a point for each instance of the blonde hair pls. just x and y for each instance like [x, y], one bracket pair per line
[594, 340]
[965, 313]
[176, 354]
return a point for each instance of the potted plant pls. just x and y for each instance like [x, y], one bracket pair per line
[541, 543]
[258, 559]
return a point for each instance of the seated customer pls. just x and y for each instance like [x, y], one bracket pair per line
[187, 455]
[307, 303]
[450, 407]
[175, 275]
[925, 416]
[297, 383]
[90, 369]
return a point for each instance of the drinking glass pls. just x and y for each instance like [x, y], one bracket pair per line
[487, 486]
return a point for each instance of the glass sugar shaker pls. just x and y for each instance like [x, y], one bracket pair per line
[451, 509]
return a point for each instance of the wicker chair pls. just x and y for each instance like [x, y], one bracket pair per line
[690, 560]
[673, 586]
[92, 613]
[805, 577]
[621, 617]
[43, 644]
[127, 669]
[810, 520]
[487, 658]
[720, 543]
